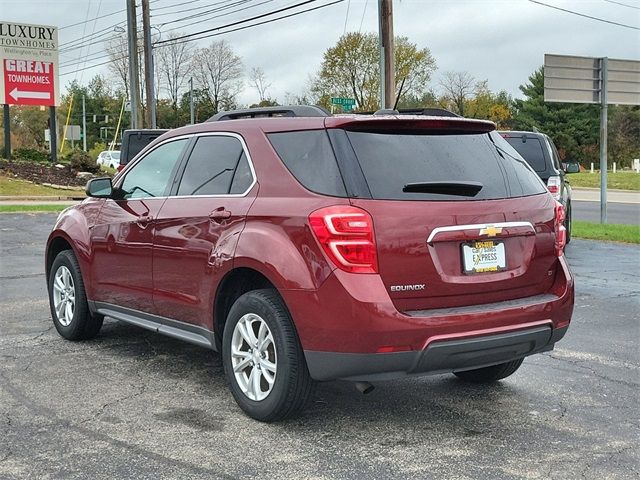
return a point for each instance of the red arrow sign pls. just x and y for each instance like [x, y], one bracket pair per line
[28, 82]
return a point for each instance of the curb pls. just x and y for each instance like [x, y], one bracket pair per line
[594, 189]
[40, 199]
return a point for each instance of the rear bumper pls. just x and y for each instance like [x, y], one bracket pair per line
[346, 325]
[438, 357]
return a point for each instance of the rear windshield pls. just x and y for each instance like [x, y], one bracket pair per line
[389, 161]
[531, 150]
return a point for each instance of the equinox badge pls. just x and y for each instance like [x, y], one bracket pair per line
[407, 288]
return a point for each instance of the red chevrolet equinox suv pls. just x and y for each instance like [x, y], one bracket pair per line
[309, 247]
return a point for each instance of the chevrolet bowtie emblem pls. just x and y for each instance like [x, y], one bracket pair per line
[491, 231]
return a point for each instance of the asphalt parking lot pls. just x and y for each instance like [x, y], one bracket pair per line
[132, 404]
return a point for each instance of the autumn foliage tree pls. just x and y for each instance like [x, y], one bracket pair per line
[351, 69]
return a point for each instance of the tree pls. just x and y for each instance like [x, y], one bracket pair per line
[258, 80]
[624, 134]
[574, 128]
[457, 87]
[218, 71]
[351, 69]
[175, 61]
[117, 49]
[489, 106]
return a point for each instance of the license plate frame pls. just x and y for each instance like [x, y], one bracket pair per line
[474, 265]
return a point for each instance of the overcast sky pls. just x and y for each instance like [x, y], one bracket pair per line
[502, 41]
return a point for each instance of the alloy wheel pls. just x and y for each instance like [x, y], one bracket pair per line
[64, 295]
[253, 357]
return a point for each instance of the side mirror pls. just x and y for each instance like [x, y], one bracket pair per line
[572, 167]
[99, 188]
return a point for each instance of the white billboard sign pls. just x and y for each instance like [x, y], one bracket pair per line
[29, 64]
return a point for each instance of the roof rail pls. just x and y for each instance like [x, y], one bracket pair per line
[430, 112]
[280, 111]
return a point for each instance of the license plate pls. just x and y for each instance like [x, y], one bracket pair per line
[483, 256]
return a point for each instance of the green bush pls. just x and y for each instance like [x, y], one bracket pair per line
[97, 149]
[30, 155]
[81, 162]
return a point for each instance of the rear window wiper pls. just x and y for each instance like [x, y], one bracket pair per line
[459, 188]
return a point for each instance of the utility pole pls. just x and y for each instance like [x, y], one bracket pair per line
[134, 70]
[84, 126]
[387, 56]
[191, 111]
[604, 69]
[148, 66]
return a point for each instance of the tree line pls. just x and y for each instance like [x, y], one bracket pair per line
[349, 69]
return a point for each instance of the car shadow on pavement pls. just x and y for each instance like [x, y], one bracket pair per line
[441, 401]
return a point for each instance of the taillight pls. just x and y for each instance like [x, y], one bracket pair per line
[553, 185]
[560, 230]
[120, 167]
[346, 236]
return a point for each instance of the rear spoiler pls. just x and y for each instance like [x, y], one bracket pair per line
[410, 123]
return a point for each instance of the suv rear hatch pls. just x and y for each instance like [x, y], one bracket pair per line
[459, 218]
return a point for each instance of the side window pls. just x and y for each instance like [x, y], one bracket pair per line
[217, 165]
[150, 177]
[309, 157]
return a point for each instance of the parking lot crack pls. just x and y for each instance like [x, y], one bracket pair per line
[581, 364]
[603, 458]
[47, 330]
[112, 403]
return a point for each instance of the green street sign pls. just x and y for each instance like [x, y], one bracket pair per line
[345, 102]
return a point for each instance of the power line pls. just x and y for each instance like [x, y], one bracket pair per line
[585, 16]
[213, 10]
[264, 22]
[71, 63]
[174, 40]
[180, 4]
[91, 39]
[222, 33]
[111, 14]
[346, 17]
[364, 10]
[99, 36]
[89, 48]
[623, 4]
[190, 9]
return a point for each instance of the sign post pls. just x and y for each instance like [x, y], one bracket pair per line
[602, 81]
[29, 67]
[604, 117]
[7, 130]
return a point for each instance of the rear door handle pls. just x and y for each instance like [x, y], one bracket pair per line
[220, 214]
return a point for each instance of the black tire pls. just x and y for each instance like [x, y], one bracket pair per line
[83, 325]
[292, 385]
[567, 224]
[490, 374]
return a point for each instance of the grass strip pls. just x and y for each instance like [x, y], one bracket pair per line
[31, 208]
[615, 181]
[610, 231]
